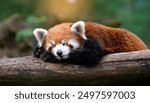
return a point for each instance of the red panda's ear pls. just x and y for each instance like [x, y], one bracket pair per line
[40, 35]
[79, 28]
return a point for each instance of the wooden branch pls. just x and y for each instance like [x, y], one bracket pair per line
[132, 68]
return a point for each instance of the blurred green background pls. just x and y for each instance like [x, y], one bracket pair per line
[18, 18]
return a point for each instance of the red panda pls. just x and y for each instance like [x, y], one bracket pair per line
[83, 42]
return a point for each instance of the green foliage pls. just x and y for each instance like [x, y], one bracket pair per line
[25, 33]
[133, 15]
[36, 21]
[10, 7]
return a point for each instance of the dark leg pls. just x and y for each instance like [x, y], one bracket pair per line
[90, 54]
[44, 55]
[38, 51]
[48, 57]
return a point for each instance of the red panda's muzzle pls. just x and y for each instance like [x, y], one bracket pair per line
[61, 51]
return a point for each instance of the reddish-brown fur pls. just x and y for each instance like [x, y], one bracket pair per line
[113, 40]
[60, 32]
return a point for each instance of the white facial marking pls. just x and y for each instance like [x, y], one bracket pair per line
[79, 28]
[53, 42]
[64, 49]
[75, 43]
[40, 35]
[64, 41]
[48, 45]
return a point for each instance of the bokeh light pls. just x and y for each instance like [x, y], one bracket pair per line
[65, 9]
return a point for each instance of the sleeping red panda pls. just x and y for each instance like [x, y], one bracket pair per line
[83, 42]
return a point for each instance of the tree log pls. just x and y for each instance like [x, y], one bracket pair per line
[129, 68]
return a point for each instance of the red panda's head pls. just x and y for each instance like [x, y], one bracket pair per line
[62, 39]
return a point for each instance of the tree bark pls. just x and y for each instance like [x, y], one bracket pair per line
[130, 68]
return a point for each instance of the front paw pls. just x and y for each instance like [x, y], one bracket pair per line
[48, 57]
[91, 44]
[38, 51]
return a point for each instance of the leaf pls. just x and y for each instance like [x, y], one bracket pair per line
[24, 34]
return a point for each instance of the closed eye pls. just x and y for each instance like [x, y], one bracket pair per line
[53, 45]
[64, 44]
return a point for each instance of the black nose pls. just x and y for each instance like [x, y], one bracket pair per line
[59, 52]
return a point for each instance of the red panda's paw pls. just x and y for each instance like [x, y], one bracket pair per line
[38, 51]
[91, 44]
[48, 57]
[90, 54]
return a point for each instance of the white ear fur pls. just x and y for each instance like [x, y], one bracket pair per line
[40, 35]
[79, 28]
